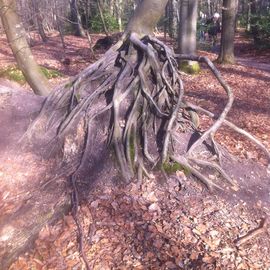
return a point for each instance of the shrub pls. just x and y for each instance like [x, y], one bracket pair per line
[96, 24]
[260, 30]
[14, 74]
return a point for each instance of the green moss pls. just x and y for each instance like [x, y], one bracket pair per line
[13, 73]
[132, 149]
[51, 73]
[172, 167]
[190, 67]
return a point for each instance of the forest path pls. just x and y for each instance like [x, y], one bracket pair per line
[253, 63]
[246, 54]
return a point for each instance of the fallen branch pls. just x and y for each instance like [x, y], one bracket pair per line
[232, 126]
[253, 233]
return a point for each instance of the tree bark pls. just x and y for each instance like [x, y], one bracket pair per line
[102, 18]
[16, 36]
[187, 34]
[119, 12]
[59, 25]
[39, 20]
[188, 27]
[226, 54]
[173, 14]
[76, 19]
[146, 17]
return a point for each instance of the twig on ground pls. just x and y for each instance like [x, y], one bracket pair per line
[253, 233]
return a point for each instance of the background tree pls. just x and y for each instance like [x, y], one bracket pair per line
[226, 54]
[172, 14]
[17, 39]
[39, 19]
[187, 33]
[76, 19]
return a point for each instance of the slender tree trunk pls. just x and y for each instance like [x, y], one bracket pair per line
[226, 54]
[17, 39]
[248, 15]
[59, 25]
[209, 9]
[173, 18]
[119, 14]
[76, 19]
[102, 18]
[39, 20]
[187, 33]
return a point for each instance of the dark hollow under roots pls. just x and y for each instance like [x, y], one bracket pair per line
[138, 84]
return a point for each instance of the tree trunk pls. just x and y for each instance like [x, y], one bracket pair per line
[119, 14]
[187, 27]
[226, 54]
[102, 18]
[20, 48]
[76, 19]
[173, 14]
[59, 25]
[187, 33]
[248, 15]
[39, 20]
[146, 17]
[209, 8]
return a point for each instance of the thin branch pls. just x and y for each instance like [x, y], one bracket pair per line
[211, 131]
[232, 126]
[253, 233]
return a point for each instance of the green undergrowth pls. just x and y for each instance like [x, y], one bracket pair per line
[13, 73]
[173, 167]
[190, 67]
[51, 73]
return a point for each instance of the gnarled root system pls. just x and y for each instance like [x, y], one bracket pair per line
[138, 84]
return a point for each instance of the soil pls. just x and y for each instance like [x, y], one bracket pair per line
[149, 225]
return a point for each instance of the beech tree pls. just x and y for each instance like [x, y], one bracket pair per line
[38, 19]
[172, 14]
[76, 19]
[17, 39]
[118, 118]
[187, 33]
[226, 54]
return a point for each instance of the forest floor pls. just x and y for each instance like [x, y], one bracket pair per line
[149, 226]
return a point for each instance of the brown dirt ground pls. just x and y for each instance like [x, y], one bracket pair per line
[171, 226]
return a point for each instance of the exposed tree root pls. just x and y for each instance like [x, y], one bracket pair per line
[138, 82]
[138, 88]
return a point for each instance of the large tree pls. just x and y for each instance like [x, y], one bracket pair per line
[229, 10]
[117, 119]
[17, 39]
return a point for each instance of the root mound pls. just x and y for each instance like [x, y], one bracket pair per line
[136, 89]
